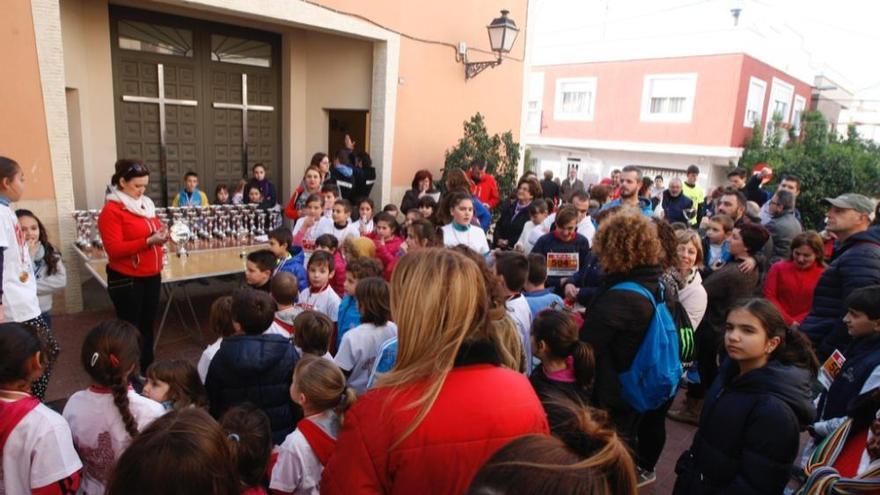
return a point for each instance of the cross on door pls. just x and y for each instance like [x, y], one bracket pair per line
[244, 106]
[161, 101]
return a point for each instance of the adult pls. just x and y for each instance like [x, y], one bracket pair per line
[133, 238]
[736, 179]
[457, 180]
[581, 202]
[784, 226]
[311, 184]
[788, 182]
[483, 185]
[690, 259]
[790, 284]
[366, 178]
[676, 206]
[617, 321]
[855, 263]
[550, 188]
[753, 189]
[422, 185]
[724, 287]
[614, 183]
[690, 189]
[571, 184]
[446, 397]
[515, 213]
[630, 179]
[345, 174]
[732, 203]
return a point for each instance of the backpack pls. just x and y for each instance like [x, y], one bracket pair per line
[652, 379]
[686, 337]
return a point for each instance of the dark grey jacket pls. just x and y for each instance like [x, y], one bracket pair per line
[783, 229]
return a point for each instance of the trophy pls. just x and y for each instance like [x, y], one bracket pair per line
[180, 234]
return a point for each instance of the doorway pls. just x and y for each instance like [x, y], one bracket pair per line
[355, 123]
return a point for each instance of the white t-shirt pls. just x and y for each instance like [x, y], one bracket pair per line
[323, 226]
[587, 229]
[326, 301]
[519, 311]
[20, 302]
[364, 227]
[350, 229]
[298, 469]
[99, 433]
[205, 359]
[359, 350]
[38, 452]
[473, 237]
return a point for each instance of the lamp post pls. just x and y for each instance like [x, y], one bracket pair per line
[502, 34]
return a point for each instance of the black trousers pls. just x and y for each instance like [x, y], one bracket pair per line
[136, 300]
[708, 345]
[652, 436]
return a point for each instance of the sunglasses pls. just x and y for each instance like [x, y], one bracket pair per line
[135, 169]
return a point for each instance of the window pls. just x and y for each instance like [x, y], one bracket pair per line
[668, 97]
[800, 103]
[535, 103]
[755, 102]
[144, 37]
[780, 101]
[575, 99]
[240, 51]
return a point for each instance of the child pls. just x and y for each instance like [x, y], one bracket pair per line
[715, 244]
[258, 269]
[460, 230]
[408, 219]
[280, 242]
[36, 446]
[253, 367]
[511, 270]
[19, 286]
[319, 296]
[365, 216]
[533, 230]
[285, 292]
[310, 226]
[255, 197]
[565, 250]
[393, 210]
[358, 247]
[319, 387]
[106, 416]
[238, 195]
[349, 316]
[190, 194]
[329, 193]
[267, 189]
[48, 268]
[329, 244]
[175, 384]
[567, 365]
[427, 205]
[194, 458]
[220, 325]
[387, 241]
[221, 195]
[359, 346]
[250, 442]
[422, 234]
[539, 297]
[313, 333]
[342, 224]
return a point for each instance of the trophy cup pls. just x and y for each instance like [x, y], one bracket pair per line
[180, 234]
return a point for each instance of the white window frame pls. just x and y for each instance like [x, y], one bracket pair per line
[535, 93]
[688, 109]
[591, 83]
[754, 81]
[780, 91]
[797, 110]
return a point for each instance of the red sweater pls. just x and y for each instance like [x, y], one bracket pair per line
[480, 408]
[125, 240]
[387, 253]
[486, 190]
[790, 289]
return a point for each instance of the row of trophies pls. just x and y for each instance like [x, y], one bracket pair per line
[196, 227]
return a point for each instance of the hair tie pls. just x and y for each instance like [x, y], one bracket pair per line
[114, 361]
[234, 437]
[93, 360]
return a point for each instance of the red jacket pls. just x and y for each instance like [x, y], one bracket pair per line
[486, 190]
[125, 240]
[791, 289]
[387, 253]
[480, 409]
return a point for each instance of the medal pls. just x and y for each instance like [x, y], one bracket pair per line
[23, 277]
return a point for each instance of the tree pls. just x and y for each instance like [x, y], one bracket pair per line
[501, 153]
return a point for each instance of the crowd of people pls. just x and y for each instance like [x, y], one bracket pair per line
[425, 348]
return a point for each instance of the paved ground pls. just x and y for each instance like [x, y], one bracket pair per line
[176, 342]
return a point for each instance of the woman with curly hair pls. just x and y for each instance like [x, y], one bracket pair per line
[629, 250]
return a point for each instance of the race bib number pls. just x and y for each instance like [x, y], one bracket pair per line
[831, 368]
[562, 264]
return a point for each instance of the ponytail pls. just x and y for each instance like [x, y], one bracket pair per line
[584, 364]
[120, 399]
[323, 384]
[557, 329]
[346, 400]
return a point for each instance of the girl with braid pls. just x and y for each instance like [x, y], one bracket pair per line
[105, 417]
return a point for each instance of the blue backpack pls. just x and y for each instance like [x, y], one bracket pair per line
[653, 377]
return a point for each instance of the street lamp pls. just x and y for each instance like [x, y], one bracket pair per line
[502, 35]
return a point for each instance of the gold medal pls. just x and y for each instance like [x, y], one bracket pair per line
[23, 277]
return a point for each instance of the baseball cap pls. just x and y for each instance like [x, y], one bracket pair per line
[851, 201]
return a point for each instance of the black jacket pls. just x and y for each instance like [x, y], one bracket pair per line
[511, 223]
[256, 369]
[552, 390]
[673, 207]
[749, 432]
[862, 357]
[550, 189]
[724, 287]
[615, 325]
[855, 264]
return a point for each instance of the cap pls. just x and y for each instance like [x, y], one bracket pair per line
[851, 201]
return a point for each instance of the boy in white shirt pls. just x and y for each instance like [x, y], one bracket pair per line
[342, 225]
[512, 270]
[284, 289]
[313, 333]
[319, 296]
[533, 229]
[329, 193]
[220, 323]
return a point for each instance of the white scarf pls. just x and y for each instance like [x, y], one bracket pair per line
[142, 206]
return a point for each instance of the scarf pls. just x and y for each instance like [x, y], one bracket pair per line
[565, 375]
[823, 479]
[142, 207]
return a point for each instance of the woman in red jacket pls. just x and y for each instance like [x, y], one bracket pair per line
[311, 184]
[447, 405]
[133, 239]
[790, 284]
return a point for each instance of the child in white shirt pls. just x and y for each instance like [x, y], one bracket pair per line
[512, 270]
[365, 216]
[285, 291]
[319, 296]
[460, 230]
[313, 333]
[342, 224]
[533, 229]
[310, 226]
[107, 415]
[360, 345]
[220, 323]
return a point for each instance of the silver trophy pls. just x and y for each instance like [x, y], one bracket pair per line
[180, 235]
